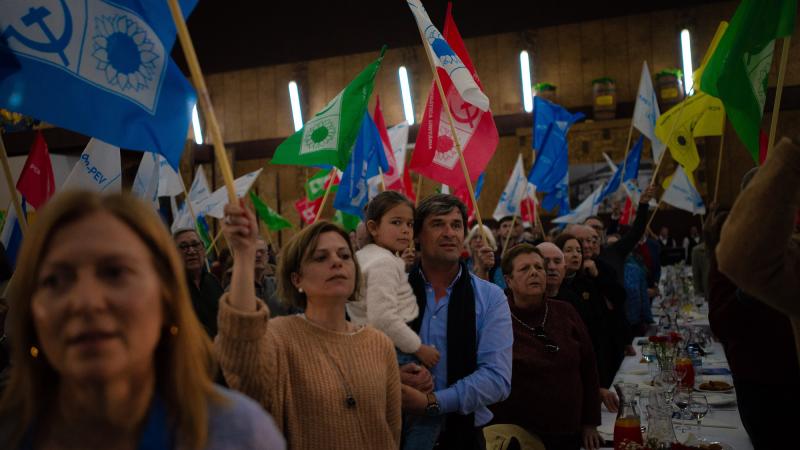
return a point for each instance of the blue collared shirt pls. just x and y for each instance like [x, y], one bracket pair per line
[491, 381]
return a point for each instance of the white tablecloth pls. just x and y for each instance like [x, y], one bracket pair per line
[634, 371]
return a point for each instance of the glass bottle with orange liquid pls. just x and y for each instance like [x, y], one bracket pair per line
[627, 427]
[685, 369]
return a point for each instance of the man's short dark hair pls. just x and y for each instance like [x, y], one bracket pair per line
[437, 205]
[504, 220]
[491, 223]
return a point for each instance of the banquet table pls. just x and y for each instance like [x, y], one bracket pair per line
[722, 423]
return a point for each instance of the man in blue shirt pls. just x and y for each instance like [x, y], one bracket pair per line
[467, 319]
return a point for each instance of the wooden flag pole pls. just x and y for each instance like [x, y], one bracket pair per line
[652, 216]
[508, 236]
[12, 190]
[325, 197]
[455, 136]
[719, 163]
[383, 181]
[776, 107]
[203, 98]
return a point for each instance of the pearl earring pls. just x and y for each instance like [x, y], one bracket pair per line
[173, 330]
[34, 352]
[300, 290]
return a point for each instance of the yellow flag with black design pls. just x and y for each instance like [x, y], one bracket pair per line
[698, 115]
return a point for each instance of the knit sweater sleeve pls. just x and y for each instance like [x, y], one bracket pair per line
[756, 250]
[246, 353]
[384, 280]
[393, 397]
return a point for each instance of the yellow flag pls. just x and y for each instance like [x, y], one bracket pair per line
[698, 115]
[698, 74]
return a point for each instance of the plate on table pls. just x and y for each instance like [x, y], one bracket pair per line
[715, 386]
[717, 399]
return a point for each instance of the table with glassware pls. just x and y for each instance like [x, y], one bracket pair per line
[678, 371]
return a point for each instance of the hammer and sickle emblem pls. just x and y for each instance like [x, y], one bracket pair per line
[470, 114]
[36, 16]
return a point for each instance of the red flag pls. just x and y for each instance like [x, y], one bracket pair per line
[36, 182]
[463, 195]
[627, 213]
[527, 211]
[391, 178]
[435, 154]
[409, 191]
[308, 210]
[763, 144]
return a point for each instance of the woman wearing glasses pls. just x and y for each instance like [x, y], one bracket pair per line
[554, 380]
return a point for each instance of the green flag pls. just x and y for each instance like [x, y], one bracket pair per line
[347, 221]
[327, 139]
[315, 186]
[272, 219]
[2, 219]
[738, 70]
[202, 232]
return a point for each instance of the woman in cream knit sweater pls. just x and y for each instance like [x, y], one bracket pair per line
[328, 383]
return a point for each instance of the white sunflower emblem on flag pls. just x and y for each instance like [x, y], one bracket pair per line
[124, 52]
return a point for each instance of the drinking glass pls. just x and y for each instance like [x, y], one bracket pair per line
[698, 406]
[682, 398]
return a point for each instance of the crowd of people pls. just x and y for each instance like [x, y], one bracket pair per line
[415, 332]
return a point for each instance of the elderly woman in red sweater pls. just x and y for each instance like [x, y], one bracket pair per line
[554, 380]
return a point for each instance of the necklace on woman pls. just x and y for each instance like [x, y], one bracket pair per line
[544, 319]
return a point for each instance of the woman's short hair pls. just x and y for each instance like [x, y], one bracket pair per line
[562, 239]
[507, 263]
[381, 204]
[475, 231]
[183, 362]
[297, 252]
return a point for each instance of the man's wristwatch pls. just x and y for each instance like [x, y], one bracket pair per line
[433, 406]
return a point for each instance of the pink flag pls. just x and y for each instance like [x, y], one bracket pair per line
[391, 178]
[36, 182]
[435, 154]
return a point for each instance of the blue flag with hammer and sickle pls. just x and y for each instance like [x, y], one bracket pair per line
[101, 68]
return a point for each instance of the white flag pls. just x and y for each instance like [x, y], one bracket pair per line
[682, 195]
[584, 210]
[170, 183]
[398, 137]
[646, 113]
[516, 188]
[145, 184]
[98, 169]
[214, 205]
[446, 59]
[199, 190]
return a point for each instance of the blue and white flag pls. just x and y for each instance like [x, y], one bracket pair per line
[11, 234]
[365, 159]
[98, 169]
[558, 197]
[515, 190]
[682, 194]
[100, 68]
[551, 123]
[646, 113]
[446, 59]
[587, 208]
[145, 184]
[631, 167]
[214, 205]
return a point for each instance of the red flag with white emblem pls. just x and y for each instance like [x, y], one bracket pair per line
[435, 154]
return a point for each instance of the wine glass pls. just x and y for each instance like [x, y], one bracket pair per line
[698, 406]
[683, 396]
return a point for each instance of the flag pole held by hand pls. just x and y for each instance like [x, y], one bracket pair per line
[203, 98]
